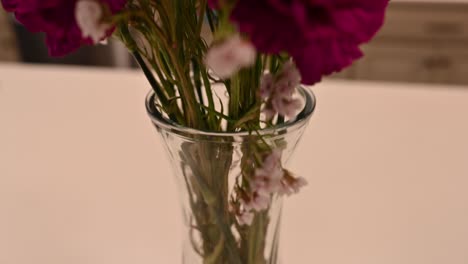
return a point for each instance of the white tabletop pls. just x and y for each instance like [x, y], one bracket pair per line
[84, 180]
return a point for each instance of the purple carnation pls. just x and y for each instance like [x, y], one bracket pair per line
[323, 36]
[56, 18]
[213, 3]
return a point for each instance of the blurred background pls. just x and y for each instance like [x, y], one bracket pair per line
[422, 41]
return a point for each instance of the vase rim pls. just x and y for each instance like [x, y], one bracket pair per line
[166, 124]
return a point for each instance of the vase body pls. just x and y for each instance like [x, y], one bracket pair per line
[207, 167]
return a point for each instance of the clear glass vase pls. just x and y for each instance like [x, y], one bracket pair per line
[208, 168]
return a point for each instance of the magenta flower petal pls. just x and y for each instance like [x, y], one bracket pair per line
[56, 18]
[323, 36]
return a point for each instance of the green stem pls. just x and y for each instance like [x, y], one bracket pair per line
[203, 7]
[234, 99]
[173, 115]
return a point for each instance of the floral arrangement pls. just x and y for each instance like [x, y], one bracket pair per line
[258, 52]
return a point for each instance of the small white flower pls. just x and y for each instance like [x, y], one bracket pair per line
[288, 80]
[261, 183]
[269, 112]
[284, 189]
[287, 107]
[227, 58]
[298, 184]
[245, 218]
[89, 15]
[273, 174]
[266, 86]
[279, 92]
[290, 185]
[259, 201]
[266, 183]
[268, 176]
[273, 160]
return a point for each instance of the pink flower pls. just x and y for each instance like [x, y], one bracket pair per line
[285, 189]
[272, 161]
[267, 182]
[259, 201]
[245, 218]
[288, 80]
[228, 57]
[287, 107]
[267, 177]
[291, 185]
[323, 36]
[279, 90]
[266, 85]
[298, 184]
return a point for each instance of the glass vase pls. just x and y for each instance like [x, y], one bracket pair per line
[208, 168]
